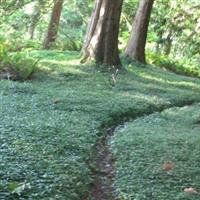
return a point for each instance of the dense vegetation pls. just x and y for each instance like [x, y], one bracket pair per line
[59, 110]
[143, 146]
[173, 29]
[49, 125]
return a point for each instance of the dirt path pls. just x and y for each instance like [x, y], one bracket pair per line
[104, 172]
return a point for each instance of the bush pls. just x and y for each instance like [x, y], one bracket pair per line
[183, 66]
[69, 45]
[16, 45]
[17, 66]
[3, 49]
[20, 45]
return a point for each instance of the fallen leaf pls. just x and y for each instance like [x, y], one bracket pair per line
[55, 101]
[190, 190]
[168, 166]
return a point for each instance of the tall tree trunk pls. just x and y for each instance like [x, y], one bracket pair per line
[136, 45]
[54, 24]
[34, 20]
[91, 29]
[101, 41]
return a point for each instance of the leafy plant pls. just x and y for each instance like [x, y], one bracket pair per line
[3, 50]
[156, 156]
[183, 66]
[49, 126]
[17, 66]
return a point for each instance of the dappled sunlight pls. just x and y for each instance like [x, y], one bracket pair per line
[65, 63]
[60, 64]
[162, 80]
[62, 67]
[29, 8]
[148, 98]
[66, 104]
[171, 82]
[167, 80]
[99, 99]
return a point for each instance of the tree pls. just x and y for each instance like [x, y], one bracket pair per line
[174, 25]
[101, 41]
[54, 24]
[34, 19]
[136, 45]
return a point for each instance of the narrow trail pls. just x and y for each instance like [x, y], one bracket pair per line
[104, 172]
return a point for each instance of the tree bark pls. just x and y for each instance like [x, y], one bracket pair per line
[54, 24]
[101, 43]
[136, 45]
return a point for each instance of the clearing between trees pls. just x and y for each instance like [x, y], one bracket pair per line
[55, 128]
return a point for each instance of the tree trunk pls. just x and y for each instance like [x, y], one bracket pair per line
[91, 29]
[136, 45]
[54, 24]
[101, 41]
[34, 20]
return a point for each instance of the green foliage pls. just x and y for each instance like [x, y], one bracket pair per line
[142, 147]
[3, 49]
[17, 23]
[30, 45]
[9, 6]
[17, 66]
[18, 45]
[69, 45]
[50, 125]
[182, 66]
[127, 16]
[75, 17]
[175, 26]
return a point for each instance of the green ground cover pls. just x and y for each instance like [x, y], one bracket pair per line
[49, 125]
[143, 146]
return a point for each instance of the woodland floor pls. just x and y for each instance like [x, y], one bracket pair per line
[68, 134]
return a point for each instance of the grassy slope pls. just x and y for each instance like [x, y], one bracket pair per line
[45, 145]
[143, 146]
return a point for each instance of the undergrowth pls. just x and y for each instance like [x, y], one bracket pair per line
[182, 66]
[15, 66]
[142, 147]
[50, 125]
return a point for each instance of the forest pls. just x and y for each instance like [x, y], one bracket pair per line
[99, 99]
